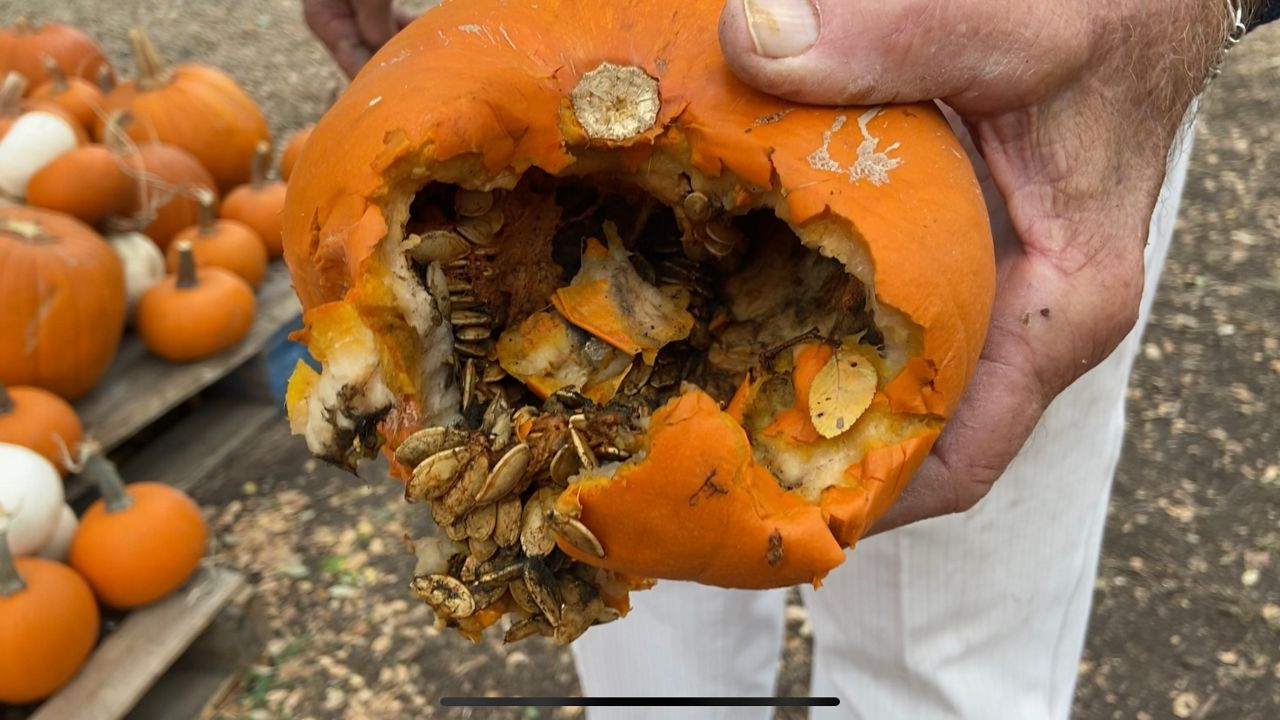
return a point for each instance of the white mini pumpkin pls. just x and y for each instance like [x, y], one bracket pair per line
[143, 265]
[31, 496]
[33, 141]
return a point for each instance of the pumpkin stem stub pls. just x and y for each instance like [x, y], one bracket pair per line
[56, 76]
[102, 472]
[206, 217]
[6, 400]
[11, 582]
[152, 72]
[186, 265]
[261, 161]
[616, 102]
[11, 94]
[106, 81]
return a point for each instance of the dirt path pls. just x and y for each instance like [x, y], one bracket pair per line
[1187, 615]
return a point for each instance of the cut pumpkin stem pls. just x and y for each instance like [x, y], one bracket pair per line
[6, 400]
[11, 583]
[106, 81]
[186, 265]
[102, 473]
[11, 94]
[56, 76]
[207, 216]
[261, 163]
[152, 71]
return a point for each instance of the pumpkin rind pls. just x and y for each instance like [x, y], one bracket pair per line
[47, 630]
[64, 299]
[172, 199]
[22, 45]
[38, 419]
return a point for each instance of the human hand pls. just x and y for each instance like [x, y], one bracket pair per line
[1074, 107]
[353, 30]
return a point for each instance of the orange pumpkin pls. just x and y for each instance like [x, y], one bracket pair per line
[81, 98]
[138, 543]
[197, 108]
[48, 625]
[225, 243]
[23, 45]
[293, 150]
[173, 177]
[195, 313]
[64, 295]
[610, 284]
[36, 418]
[259, 203]
[91, 182]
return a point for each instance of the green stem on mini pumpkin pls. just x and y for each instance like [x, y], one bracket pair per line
[207, 215]
[11, 91]
[56, 76]
[186, 265]
[6, 400]
[102, 472]
[106, 80]
[261, 163]
[152, 72]
[11, 582]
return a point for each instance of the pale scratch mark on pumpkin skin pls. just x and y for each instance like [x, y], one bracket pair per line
[871, 164]
[502, 29]
[32, 335]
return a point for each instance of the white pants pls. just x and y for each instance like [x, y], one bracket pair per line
[978, 616]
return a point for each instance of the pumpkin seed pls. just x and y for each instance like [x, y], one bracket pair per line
[536, 537]
[505, 474]
[606, 615]
[481, 521]
[427, 442]
[579, 535]
[481, 230]
[486, 595]
[443, 246]
[586, 458]
[637, 377]
[482, 548]
[459, 286]
[461, 497]
[506, 531]
[468, 383]
[445, 595]
[456, 530]
[488, 575]
[527, 628]
[581, 607]
[464, 318]
[564, 465]
[520, 594]
[841, 391]
[472, 203]
[473, 333]
[493, 373]
[542, 587]
[697, 207]
[467, 573]
[436, 475]
[722, 236]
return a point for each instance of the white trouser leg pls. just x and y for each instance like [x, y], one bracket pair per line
[682, 639]
[983, 615]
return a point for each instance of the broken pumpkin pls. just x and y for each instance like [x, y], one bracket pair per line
[616, 316]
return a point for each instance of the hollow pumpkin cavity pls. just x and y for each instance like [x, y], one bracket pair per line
[573, 335]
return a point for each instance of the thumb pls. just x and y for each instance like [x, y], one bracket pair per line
[976, 54]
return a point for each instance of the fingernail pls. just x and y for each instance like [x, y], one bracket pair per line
[781, 28]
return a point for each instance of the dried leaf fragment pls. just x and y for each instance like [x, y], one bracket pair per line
[841, 392]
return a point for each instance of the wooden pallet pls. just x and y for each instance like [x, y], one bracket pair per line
[176, 424]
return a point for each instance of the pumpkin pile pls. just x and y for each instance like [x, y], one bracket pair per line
[103, 179]
[615, 316]
[136, 545]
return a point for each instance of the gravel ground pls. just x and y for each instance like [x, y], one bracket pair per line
[1187, 615]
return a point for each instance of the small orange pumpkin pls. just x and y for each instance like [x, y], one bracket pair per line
[293, 150]
[173, 177]
[13, 106]
[81, 98]
[64, 300]
[48, 625]
[36, 418]
[224, 243]
[91, 182]
[197, 108]
[195, 312]
[23, 45]
[139, 542]
[260, 203]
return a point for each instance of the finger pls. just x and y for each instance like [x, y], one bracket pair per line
[972, 52]
[374, 21]
[333, 22]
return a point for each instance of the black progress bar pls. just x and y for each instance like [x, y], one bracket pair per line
[640, 702]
